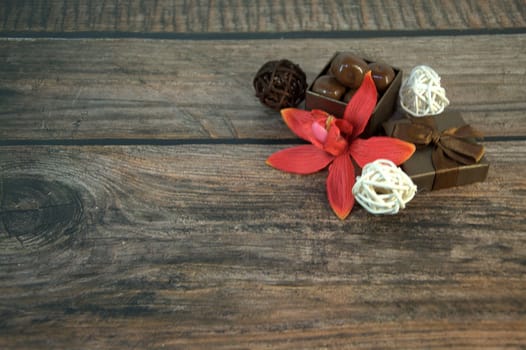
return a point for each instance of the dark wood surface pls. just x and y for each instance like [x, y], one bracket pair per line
[257, 16]
[137, 212]
[86, 89]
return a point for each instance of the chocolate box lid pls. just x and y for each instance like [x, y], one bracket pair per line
[420, 166]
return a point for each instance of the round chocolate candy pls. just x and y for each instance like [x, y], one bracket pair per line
[382, 75]
[348, 95]
[328, 86]
[349, 69]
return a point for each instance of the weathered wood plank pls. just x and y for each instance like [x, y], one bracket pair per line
[204, 246]
[260, 16]
[203, 89]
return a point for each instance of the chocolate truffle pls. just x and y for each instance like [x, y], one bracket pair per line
[348, 95]
[382, 75]
[280, 84]
[328, 86]
[349, 69]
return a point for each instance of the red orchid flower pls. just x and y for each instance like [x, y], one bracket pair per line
[334, 141]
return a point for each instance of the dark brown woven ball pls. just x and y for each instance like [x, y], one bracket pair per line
[280, 84]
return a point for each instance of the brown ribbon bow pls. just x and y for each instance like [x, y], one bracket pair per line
[451, 147]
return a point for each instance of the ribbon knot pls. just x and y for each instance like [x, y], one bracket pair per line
[435, 137]
[451, 147]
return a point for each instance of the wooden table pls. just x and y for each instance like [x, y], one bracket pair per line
[137, 211]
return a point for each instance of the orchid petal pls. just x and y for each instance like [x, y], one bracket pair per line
[367, 151]
[300, 122]
[304, 159]
[339, 186]
[335, 143]
[344, 126]
[361, 106]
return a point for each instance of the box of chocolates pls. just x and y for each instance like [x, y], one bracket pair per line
[332, 89]
[447, 154]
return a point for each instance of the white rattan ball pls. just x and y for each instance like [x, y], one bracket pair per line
[421, 93]
[383, 188]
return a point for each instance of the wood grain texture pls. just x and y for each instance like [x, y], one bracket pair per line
[204, 246]
[256, 16]
[126, 89]
[201, 245]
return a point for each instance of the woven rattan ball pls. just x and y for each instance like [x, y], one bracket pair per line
[383, 188]
[280, 84]
[421, 93]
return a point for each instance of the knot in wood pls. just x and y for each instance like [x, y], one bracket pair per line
[36, 212]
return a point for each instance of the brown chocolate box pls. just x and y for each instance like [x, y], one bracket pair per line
[420, 166]
[382, 112]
